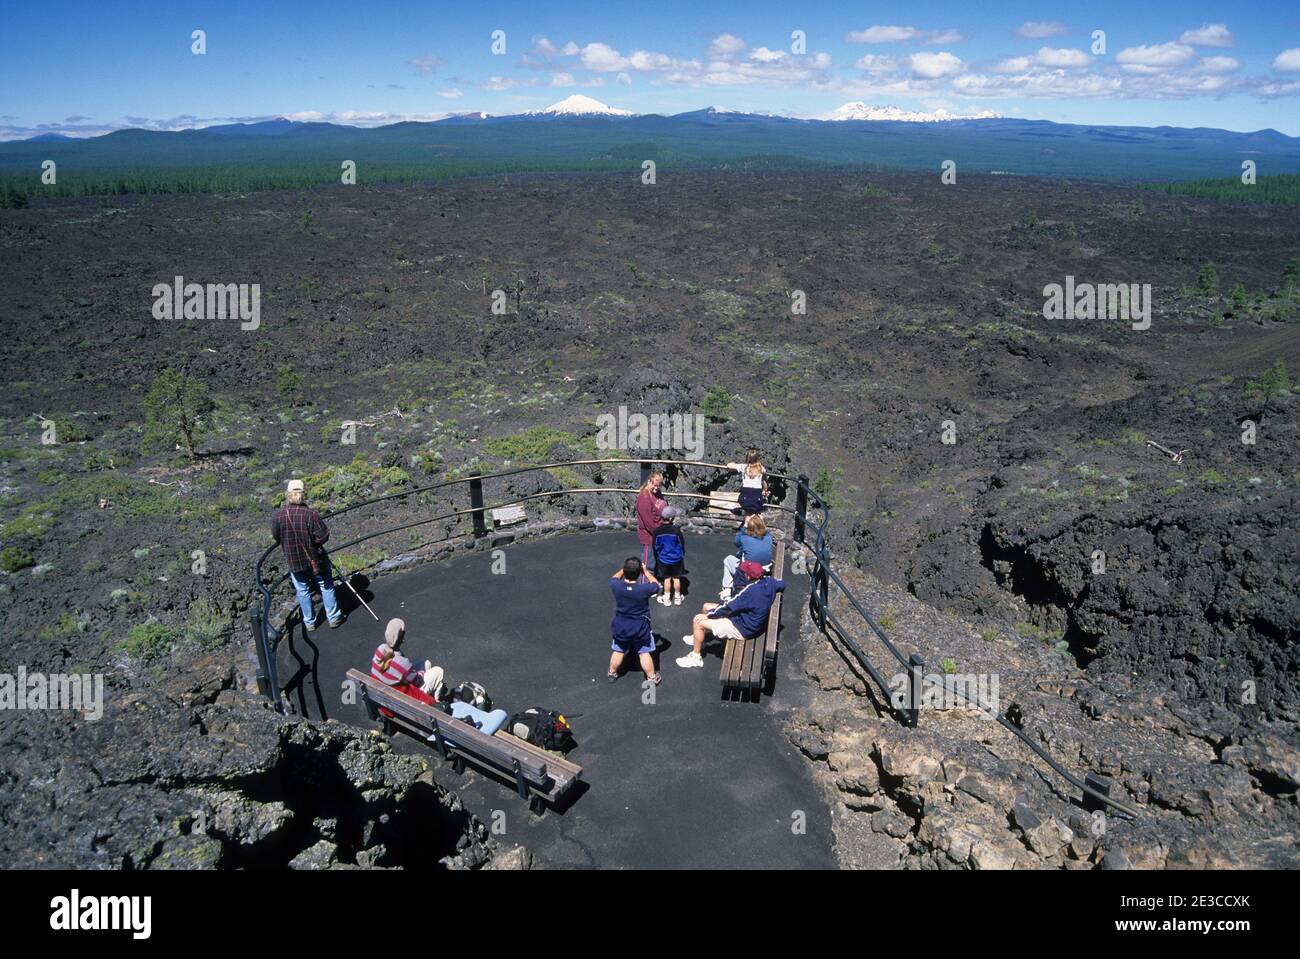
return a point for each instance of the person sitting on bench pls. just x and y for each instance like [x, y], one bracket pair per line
[393, 669]
[631, 624]
[754, 543]
[744, 616]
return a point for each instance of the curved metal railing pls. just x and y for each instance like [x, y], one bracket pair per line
[267, 637]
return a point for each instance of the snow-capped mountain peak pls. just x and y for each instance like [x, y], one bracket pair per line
[579, 104]
[857, 110]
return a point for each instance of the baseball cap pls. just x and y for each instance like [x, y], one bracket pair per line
[295, 486]
[751, 569]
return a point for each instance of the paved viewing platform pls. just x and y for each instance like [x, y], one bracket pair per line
[688, 780]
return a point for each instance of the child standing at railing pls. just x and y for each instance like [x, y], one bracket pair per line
[753, 482]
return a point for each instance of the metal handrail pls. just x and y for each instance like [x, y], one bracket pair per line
[822, 575]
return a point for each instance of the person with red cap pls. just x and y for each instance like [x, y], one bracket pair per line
[744, 616]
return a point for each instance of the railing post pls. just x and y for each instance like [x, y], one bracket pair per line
[476, 503]
[1102, 785]
[823, 589]
[259, 641]
[801, 508]
[915, 684]
[645, 472]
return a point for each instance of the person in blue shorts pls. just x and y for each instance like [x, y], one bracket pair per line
[631, 625]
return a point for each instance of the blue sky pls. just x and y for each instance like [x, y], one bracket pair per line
[88, 67]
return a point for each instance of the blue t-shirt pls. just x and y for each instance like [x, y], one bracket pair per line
[631, 608]
[755, 548]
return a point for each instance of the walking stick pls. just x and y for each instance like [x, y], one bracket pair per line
[347, 581]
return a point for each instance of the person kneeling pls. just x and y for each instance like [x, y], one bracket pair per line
[393, 669]
[744, 616]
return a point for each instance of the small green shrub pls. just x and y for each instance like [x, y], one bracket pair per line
[337, 486]
[206, 624]
[289, 383]
[144, 641]
[533, 445]
[716, 404]
[824, 484]
[1207, 281]
[67, 625]
[12, 559]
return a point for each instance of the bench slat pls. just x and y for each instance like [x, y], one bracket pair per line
[774, 618]
[461, 736]
[560, 768]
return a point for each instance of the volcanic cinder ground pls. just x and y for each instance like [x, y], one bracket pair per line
[923, 321]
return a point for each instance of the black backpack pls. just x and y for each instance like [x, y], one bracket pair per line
[474, 695]
[543, 727]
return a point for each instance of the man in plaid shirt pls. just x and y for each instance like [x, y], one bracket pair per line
[301, 533]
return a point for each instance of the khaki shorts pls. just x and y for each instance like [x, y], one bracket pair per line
[724, 628]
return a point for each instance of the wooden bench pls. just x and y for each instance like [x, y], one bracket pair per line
[746, 662]
[538, 775]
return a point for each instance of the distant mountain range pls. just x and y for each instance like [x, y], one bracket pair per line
[580, 132]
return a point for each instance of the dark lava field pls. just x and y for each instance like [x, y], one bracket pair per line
[923, 323]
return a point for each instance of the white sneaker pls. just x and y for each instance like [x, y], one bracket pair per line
[677, 600]
[663, 599]
[691, 660]
[724, 595]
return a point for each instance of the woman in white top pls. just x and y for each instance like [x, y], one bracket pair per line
[753, 482]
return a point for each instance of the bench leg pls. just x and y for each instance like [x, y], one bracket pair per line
[439, 742]
[458, 765]
[536, 806]
[520, 784]
[371, 709]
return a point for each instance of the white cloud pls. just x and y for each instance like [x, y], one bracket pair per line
[1062, 57]
[624, 79]
[562, 79]
[1218, 65]
[544, 47]
[897, 34]
[645, 60]
[1282, 88]
[1038, 83]
[726, 45]
[602, 57]
[1039, 29]
[881, 35]
[451, 93]
[1159, 56]
[424, 65]
[1208, 35]
[764, 55]
[945, 36]
[499, 83]
[876, 64]
[933, 65]
[1014, 65]
[1288, 61]
[362, 118]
